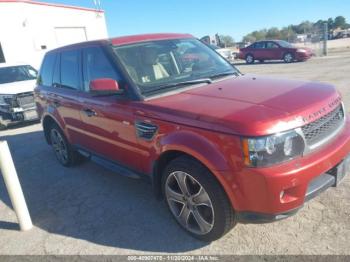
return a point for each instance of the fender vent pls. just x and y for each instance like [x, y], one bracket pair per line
[145, 130]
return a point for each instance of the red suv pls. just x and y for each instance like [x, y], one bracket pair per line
[274, 50]
[219, 146]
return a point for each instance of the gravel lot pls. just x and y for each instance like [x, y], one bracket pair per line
[89, 210]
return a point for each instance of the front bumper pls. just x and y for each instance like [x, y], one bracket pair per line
[273, 193]
[303, 56]
[17, 115]
[315, 187]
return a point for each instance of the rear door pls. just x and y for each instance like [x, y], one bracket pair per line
[66, 86]
[108, 121]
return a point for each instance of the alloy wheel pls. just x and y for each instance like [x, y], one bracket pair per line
[59, 146]
[288, 58]
[189, 202]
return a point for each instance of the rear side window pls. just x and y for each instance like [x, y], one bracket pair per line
[45, 76]
[97, 65]
[70, 73]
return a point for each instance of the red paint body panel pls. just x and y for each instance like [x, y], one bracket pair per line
[247, 105]
[207, 121]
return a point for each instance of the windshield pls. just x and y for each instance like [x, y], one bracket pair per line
[285, 44]
[17, 73]
[159, 65]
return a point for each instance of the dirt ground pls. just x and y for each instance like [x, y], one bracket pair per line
[89, 210]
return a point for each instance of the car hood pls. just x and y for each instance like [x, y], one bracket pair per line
[17, 87]
[247, 105]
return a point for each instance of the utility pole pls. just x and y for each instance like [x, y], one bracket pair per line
[325, 38]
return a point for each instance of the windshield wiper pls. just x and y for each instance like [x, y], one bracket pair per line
[223, 74]
[184, 83]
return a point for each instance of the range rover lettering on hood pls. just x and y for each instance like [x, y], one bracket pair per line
[322, 111]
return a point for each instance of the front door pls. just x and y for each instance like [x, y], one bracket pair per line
[108, 128]
[273, 51]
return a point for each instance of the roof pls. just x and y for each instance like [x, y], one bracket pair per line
[124, 40]
[52, 5]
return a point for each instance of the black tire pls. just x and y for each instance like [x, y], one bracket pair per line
[72, 156]
[261, 61]
[249, 59]
[288, 57]
[222, 218]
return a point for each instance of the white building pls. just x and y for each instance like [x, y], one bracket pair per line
[28, 29]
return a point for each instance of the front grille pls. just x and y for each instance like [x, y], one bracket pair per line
[25, 100]
[319, 130]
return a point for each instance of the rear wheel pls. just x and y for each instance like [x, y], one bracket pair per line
[288, 58]
[64, 152]
[249, 59]
[196, 199]
[261, 61]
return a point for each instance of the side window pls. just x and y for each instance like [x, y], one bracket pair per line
[96, 65]
[260, 45]
[45, 75]
[70, 73]
[271, 45]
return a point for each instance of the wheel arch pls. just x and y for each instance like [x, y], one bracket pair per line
[47, 121]
[177, 146]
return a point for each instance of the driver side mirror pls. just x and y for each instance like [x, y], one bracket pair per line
[104, 86]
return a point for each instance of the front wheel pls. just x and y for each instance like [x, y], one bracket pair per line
[196, 199]
[288, 58]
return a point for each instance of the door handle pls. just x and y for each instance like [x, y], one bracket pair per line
[89, 112]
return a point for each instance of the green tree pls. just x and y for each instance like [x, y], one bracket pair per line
[339, 22]
[227, 40]
[273, 33]
[330, 22]
[249, 38]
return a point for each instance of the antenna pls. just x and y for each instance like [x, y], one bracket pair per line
[97, 4]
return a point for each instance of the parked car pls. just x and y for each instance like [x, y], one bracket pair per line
[274, 50]
[224, 52]
[219, 146]
[17, 82]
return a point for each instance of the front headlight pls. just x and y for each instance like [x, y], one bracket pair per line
[301, 51]
[273, 149]
[6, 99]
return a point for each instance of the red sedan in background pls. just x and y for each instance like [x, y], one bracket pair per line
[274, 50]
